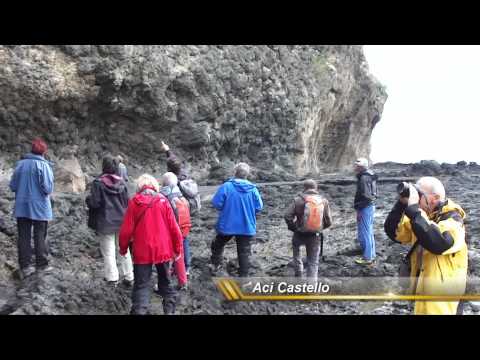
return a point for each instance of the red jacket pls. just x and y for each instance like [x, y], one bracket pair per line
[156, 236]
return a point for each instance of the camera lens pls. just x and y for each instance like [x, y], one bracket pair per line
[403, 189]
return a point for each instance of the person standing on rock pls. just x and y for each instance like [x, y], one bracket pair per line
[238, 201]
[181, 210]
[187, 186]
[307, 217]
[122, 169]
[174, 164]
[33, 182]
[151, 230]
[364, 205]
[109, 200]
[434, 225]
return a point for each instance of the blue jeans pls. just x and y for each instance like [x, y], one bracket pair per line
[366, 238]
[186, 253]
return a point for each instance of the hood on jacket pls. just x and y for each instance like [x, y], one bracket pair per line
[168, 190]
[182, 175]
[242, 185]
[146, 196]
[114, 184]
[32, 156]
[368, 172]
[449, 205]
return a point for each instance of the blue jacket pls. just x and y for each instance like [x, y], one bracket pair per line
[32, 183]
[238, 201]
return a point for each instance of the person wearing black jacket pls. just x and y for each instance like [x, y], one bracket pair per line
[364, 204]
[174, 164]
[108, 202]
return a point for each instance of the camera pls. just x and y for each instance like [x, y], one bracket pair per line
[403, 189]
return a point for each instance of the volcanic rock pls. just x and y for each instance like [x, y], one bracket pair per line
[289, 109]
[69, 176]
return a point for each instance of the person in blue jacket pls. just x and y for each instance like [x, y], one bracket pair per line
[32, 183]
[238, 201]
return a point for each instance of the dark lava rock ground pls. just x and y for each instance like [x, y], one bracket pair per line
[76, 285]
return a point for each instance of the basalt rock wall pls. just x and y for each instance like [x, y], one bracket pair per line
[289, 110]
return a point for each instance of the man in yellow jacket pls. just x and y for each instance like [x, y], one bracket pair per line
[439, 261]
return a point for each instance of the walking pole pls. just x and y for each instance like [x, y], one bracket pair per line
[321, 247]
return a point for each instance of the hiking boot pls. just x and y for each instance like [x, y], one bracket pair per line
[112, 284]
[169, 308]
[28, 271]
[127, 283]
[45, 269]
[362, 261]
[216, 269]
[183, 287]
[352, 251]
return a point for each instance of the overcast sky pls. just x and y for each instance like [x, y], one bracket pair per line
[432, 111]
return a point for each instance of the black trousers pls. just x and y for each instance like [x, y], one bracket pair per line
[24, 243]
[312, 243]
[142, 290]
[243, 251]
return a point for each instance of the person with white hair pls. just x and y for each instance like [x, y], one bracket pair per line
[181, 209]
[238, 201]
[434, 225]
[364, 204]
[149, 227]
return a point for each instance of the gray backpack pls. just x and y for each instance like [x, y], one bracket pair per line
[189, 189]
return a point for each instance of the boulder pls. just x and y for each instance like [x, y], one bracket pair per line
[450, 169]
[69, 176]
[426, 168]
[473, 166]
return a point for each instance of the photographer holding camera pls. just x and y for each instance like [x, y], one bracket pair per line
[424, 218]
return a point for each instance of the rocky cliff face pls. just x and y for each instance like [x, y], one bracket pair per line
[289, 110]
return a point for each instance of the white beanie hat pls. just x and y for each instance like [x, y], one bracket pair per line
[362, 162]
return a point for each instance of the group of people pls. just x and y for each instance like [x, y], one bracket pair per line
[151, 228]
[311, 207]
[423, 217]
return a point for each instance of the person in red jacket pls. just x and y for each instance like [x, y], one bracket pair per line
[150, 228]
